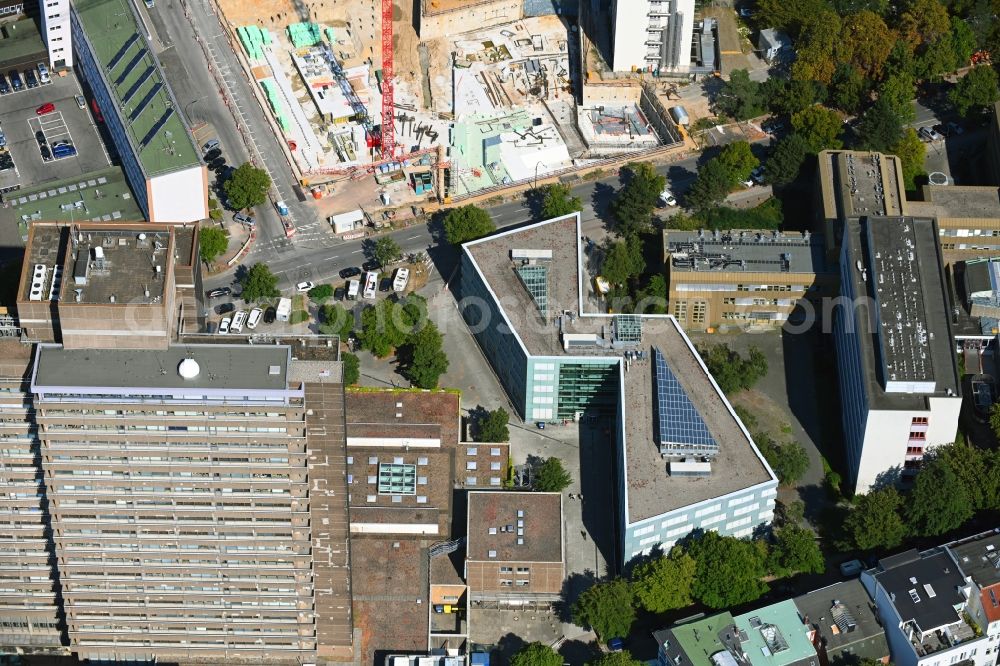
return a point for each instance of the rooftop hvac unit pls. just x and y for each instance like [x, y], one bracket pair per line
[530, 254]
[37, 282]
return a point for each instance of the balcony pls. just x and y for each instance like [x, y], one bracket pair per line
[940, 639]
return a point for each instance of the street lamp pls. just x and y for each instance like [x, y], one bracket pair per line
[538, 164]
[187, 108]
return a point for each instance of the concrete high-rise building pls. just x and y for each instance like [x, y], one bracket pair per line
[651, 34]
[56, 32]
[163, 167]
[166, 500]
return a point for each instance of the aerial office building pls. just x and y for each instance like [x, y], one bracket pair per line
[651, 34]
[56, 32]
[684, 460]
[174, 501]
[159, 158]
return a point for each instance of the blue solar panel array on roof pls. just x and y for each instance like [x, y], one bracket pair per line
[129, 67]
[156, 128]
[141, 106]
[123, 50]
[681, 430]
[134, 88]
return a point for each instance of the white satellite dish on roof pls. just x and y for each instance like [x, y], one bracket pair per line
[188, 368]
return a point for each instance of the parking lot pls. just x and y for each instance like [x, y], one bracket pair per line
[68, 122]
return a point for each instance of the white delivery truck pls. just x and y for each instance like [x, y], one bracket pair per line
[284, 311]
[402, 277]
[371, 285]
[353, 289]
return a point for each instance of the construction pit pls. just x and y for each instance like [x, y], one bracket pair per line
[474, 111]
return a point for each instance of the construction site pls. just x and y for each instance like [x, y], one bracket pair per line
[482, 95]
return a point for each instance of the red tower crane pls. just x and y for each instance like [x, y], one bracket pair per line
[388, 113]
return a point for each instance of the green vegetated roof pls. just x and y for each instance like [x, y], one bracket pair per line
[700, 639]
[21, 39]
[136, 81]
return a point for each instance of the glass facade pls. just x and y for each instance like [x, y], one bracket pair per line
[584, 386]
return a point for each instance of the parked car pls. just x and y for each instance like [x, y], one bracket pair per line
[270, 314]
[238, 320]
[371, 285]
[4, 86]
[43, 73]
[929, 134]
[217, 163]
[30, 78]
[339, 293]
[616, 644]
[63, 150]
[350, 272]
[219, 291]
[48, 107]
[385, 284]
[955, 128]
[40, 138]
[255, 316]
[3, 139]
[224, 325]
[224, 308]
[211, 144]
[80, 101]
[371, 265]
[242, 218]
[667, 198]
[46, 153]
[852, 567]
[212, 154]
[757, 175]
[15, 80]
[303, 287]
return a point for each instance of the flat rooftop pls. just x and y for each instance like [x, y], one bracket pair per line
[979, 557]
[155, 128]
[857, 183]
[843, 616]
[220, 366]
[107, 264]
[514, 527]
[392, 413]
[775, 636]
[926, 589]
[744, 251]
[562, 284]
[699, 639]
[958, 201]
[20, 39]
[906, 337]
[98, 196]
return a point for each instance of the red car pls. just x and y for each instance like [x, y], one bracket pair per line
[48, 107]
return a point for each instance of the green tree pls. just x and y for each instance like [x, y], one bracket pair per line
[849, 89]
[467, 223]
[247, 187]
[552, 477]
[938, 502]
[910, 150]
[738, 160]
[422, 358]
[788, 96]
[212, 242]
[845, 7]
[664, 583]
[652, 299]
[731, 371]
[320, 293]
[880, 128]
[386, 251]
[995, 419]
[620, 658]
[259, 284]
[558, 201]
[633, 205]
[623, 260]
[814, 52]
[741, 97]
[975, 90]
[924, 22]
[728, 571]
[352, 368]
[606, 608]
[380, 328]
[963, 41]
[335, 320]
[970, 466]
[820, 127]
[865, 41]
[897, 91]
[795, 550]
[789, 461]
[711, 187]
[874, 521]
[493, 427]
[786, 160]
[536, 654]
[792, 16]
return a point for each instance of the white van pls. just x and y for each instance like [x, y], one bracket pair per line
[402, 277]
[371, 285]
[238, 320]
[353, 289]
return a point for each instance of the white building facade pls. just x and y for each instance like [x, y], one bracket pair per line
[652, 35]
[56, 32]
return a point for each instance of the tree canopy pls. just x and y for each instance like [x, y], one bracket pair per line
[381, 329]
[620, 658]
[551, 476]
[247, 187]
[795, 550]
[623, 260]
[352, 368]
[259, 284]
[874, 522]
[493, 427]
[880, 128]
[911, 151]
[422, 358]
[731, 371]
[789, 461]
[738, 160]
[557, 201]
[212, 242]
[536, 654]
[865, 42]
[634, 203]
[334, 319]
[606, 608]
[939, 501]
[820, 127]
[975, 90]
[741, 97]
[467, 223]
[728, 571]
[714, 182]
[386, 251]
[786, 160]
[664, 583]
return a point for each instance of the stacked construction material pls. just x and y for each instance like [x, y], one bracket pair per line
[253, 40]
[305, 34]
[274, 99]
